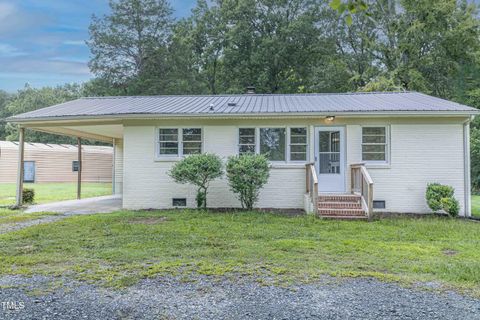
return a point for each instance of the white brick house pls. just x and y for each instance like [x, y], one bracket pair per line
[400, 142]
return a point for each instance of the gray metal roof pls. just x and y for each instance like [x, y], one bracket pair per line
[247, 104]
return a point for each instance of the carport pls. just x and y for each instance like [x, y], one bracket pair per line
[105, 131]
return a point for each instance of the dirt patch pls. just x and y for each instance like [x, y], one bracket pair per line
[151, 220]
[449, 252]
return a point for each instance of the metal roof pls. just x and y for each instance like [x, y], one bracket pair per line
[246, 104]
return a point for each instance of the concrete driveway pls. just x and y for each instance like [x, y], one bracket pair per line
[104, 204]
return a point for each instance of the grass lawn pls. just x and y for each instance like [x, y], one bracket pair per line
[50, 192]
[476, 205]
[119, 248]
[8, 216]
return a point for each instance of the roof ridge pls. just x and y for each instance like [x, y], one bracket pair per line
[255, 94]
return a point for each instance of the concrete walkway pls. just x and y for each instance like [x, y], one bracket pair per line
[103, 204]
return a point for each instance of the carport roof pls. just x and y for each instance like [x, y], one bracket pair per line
[246, 104]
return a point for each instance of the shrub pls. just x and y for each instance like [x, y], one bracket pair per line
[435, 193]
[450, 206]
[28, 195]
[199, 170]
[440, 197]
[247, 174]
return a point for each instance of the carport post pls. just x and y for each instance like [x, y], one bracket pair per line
[79, 172]
[21, 155]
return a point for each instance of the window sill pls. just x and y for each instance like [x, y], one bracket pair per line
[286, 165]
[373, 165]
[167, 159]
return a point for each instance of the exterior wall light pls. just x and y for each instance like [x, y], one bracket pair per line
[329, 118]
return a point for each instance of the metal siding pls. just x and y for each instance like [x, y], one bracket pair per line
[53, 163]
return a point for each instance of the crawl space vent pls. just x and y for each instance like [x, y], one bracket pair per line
[378, 204]
[179, 202]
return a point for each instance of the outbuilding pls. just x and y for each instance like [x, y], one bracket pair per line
[55, 162]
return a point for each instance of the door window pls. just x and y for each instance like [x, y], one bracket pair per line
[329, 152]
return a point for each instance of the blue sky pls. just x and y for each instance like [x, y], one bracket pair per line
[42, 42]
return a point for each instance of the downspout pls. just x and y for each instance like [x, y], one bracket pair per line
[114, 158]
[466, 166]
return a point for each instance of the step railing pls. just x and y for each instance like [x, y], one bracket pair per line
[311, 180]
[362, 184]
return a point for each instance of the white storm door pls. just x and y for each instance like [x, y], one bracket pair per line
[330, 159]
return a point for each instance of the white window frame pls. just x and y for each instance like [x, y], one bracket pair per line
[387, 145]
[256, 138]
[289, 133]
[287, 141]
[179, 155]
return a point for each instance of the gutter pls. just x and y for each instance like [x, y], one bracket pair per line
[290, 115]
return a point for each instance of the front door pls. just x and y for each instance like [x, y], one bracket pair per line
[29, 171]
[330, 159]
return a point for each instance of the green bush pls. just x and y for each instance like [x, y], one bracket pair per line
[435, 193]
[450, 206]
[199, 170]
[28, 195]
[441, 197]
[247, 174]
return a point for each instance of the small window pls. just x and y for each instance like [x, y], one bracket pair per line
[374, 144]
[298, 144]
[246, 140]
[168, 139]
[272, 143]
[75, 166]
[179, 202]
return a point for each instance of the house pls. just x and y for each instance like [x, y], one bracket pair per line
[55, 163]
[335, 154]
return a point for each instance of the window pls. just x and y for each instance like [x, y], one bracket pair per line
[192, 141]
[329, 152]
[168, 141]
[374, 144]
[298, 144]
[75, 166]
[272, 143]
[178, 142]
[246, 140]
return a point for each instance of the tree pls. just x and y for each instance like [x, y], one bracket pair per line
[247, 174]
[123, 42]
[348, 7]
[199, 170]
[4, 113]
[29, 99]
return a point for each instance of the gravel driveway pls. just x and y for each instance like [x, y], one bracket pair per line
[207, 298]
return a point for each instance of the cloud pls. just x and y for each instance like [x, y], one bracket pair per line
[14, 20]
[46, 66]
[8, 51]
[74, 42]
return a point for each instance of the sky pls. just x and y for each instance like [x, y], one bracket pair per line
[42, 42]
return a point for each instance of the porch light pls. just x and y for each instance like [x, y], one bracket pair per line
[329, 118]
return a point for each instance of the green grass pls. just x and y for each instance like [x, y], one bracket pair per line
[8, 216]
[476, 205]
[120, 248]
[50, 192]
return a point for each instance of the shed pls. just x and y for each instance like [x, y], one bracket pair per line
[55, 162]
